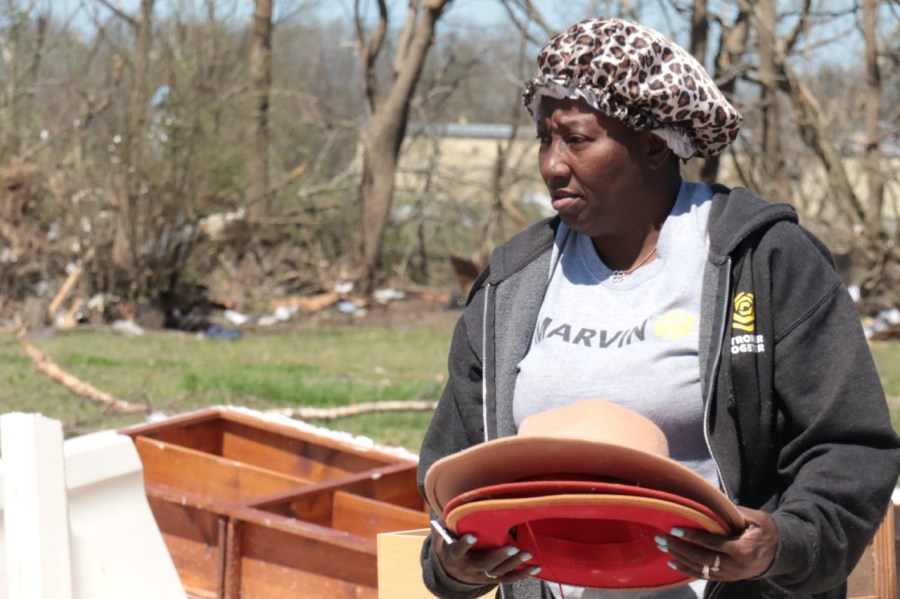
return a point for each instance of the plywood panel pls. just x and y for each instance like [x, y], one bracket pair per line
[325, 563]
[192, 537]
[212, 476]
[201, 431]
[309, 457]
[368, 517]
[399, 569]
[875, 576]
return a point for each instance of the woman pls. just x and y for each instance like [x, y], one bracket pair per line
[715, 300]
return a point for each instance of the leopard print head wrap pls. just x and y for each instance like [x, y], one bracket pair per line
[638, 76]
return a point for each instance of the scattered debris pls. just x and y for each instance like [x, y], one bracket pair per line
[348, 307]
[217, 332]
[220, 225]
[129, 328]
[66, 288]
[383, 296]
[235, 317]
[884, 326]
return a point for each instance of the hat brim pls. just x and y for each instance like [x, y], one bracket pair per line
[543, 488]
[517, 458]
[599, 541]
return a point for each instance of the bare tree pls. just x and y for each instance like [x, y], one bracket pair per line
[872, 117]
[22, 51]
[124, 250]
[260, 85]
[389, 113]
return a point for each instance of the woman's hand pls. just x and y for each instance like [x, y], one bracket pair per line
[713, 557]
[466, 564]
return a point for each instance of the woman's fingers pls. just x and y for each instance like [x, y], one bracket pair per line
[461, 561]
[703, 555]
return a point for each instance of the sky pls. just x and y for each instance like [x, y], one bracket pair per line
[559, 13]
[461, 14]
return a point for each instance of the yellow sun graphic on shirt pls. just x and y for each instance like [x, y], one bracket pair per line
[674, 325]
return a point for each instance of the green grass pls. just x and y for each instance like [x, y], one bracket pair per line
[887, 360]
[175, 373]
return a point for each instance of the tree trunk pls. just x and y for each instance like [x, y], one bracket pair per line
[387, 128]
[773, 163]
[872, 160]
[732, 47]
[126, 240]
[698, 46]
[260, 87]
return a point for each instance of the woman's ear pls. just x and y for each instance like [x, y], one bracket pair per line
[656, 150]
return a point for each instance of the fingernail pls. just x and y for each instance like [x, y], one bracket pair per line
[676, 532]
[512, 551]
[663, 548]
[534, 570]
[660, 540]
[672, 565]
[525, 556]
[470, 539]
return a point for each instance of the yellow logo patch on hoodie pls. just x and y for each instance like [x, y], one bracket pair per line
[744, 317]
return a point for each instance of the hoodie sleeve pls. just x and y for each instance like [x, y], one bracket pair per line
[457, 424]
[838, 451]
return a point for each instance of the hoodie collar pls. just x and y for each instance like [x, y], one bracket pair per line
[738, 213]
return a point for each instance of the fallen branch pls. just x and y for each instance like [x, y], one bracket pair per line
[415, 405]
[67, 286]
[46, 365]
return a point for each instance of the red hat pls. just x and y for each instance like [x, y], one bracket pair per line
[592, 438]
[600, 541]
[545, 488]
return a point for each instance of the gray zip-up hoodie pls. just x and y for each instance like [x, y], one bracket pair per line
[795, 417]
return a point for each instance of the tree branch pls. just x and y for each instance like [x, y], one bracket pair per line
[119, 13]
[369, 52]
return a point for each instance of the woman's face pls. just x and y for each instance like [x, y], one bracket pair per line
[593, 166]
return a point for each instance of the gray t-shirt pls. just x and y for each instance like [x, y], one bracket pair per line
[632, 342]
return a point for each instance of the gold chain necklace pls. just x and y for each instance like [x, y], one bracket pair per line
[619, 275]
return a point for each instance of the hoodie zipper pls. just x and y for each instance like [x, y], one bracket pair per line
[484, 336]
[715, 374]
[712, 589]
[484, 397]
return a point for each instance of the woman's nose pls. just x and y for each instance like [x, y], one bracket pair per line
[553, 164]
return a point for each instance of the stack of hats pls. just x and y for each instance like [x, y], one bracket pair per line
[584, 489]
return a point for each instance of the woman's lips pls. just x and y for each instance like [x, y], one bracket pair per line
[563, 203]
